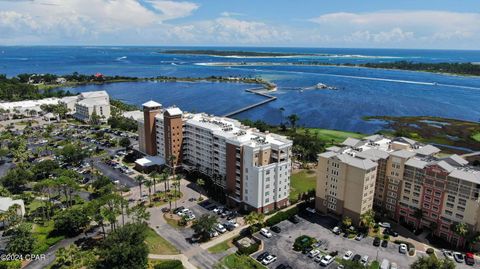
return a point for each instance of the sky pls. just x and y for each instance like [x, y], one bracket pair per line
[423, 24]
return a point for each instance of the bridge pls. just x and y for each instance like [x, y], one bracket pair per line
[246, 108]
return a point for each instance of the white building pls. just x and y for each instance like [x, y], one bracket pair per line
[88, 103]
[252, 167]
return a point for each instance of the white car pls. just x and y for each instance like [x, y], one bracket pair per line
[265, 232]
[448, 254]
[213, 233]
[385, 225]
[313, 253]
[269, 259]
[364, 260]
[311, 210]
[219, 227]
[327, 260]
[318, 258]
[393, 266]
[458, 257]
[348, 255]
[183, 212]
[402, 248]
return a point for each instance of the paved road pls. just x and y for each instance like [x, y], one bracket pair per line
[113, 173]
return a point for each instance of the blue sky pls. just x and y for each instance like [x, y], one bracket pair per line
[435, 24]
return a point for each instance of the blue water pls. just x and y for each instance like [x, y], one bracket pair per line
[362, 91]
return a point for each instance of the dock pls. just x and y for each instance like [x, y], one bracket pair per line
[254, 91]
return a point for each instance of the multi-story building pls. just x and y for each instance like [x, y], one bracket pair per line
[252, 167]
[411, 184]
[90, 103]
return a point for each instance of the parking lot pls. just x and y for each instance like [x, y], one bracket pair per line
[281, 244]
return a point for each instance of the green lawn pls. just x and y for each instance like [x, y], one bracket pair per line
[476, 137]
[301, 182]
[44, 238]
[328, 135]
[159, 245]
[235, 261]
[170, 264]
[221, 247]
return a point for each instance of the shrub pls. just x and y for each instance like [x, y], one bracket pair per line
[248, 250]
[281, 216]
[169, 264]
[411, 252]
[430, 251]
[302, 242]
[386, 237]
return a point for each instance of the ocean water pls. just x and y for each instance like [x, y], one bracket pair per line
[362, 91]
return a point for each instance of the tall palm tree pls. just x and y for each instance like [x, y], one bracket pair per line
[140, 180]
[148, 184]
[282, 110]
[164, 177]
[154, 175]
[175, 184]
[294, 118]
[200, 183]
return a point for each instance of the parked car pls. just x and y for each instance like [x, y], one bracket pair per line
[269, 259]
[212, 233]
[393, 266]
[326, 260]
[390, 232]
[311, 210]
[313, 253]
[385, 243]
[348, 255]
[376, 241]
[262, 256]
[276, 229]
[469, 258]
[448, 254]
[283, 266]
[385, 264]
[219, 227]
[458, 257]
[265, 232]
[294, 219]
[359, 237]
[385, 225]
[402, 248]
[364, 260]
[356, 258]
[336, 230]
[318, 258]
[178, 209]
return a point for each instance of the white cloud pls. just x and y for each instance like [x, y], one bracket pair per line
[416, 28]
[173, 10]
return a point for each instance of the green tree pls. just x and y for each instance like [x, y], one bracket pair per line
[460, 229]
[72, 153]
[432, 262]
[347, 222]
[200, 184]
[154, 175]
[293, 119]
[139, 214]
[204, 225]
[124, 248]
[367, 219]
[125, 142]
[21, 240]
[149, 184]
[71, 221]
[140, 180]
[16, 178]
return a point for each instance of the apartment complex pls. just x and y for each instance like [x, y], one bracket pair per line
[404, 180]
[252, 167]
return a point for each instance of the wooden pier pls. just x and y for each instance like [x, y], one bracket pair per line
[254, 91]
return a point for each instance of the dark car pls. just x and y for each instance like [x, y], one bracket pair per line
[356, 258]
[283, 266]
[178, 209]
[307, 250]
[469, 258]
[376, 241]
[390, 232]
[262, 256]
[294, 219]
[276, 229]
[384, 243]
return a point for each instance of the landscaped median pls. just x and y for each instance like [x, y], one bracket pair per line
[159, 245]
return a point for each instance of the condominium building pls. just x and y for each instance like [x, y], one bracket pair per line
[252, 167]
[90, 103]
[411, 184]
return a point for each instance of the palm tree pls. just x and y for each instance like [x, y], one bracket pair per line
[347, 222]
[282, 109]
[200, 183]
[293, 118]
[154, 175]
[175, 184]
[140, 180]
[148, 184]
[164, 177]
[460, 229]
[367, 219]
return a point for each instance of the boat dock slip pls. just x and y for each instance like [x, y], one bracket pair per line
[254, 91]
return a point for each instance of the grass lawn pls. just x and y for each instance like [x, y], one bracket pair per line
[302, 181]
[43, 237]
[34, 205]
[375, 265]
[172, 222]
[221, 247]
[328, 135]
[235, 261]
[159, 245]
[173, 264]
[476, 137]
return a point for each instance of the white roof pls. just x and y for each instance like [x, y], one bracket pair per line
[6, 202]
[403, 153]
[417, 163]
[94, 94]
[427, 150]
[150, 161]
[364, 164]
[151, 103]
[174, 111]
[466, 174]
[135, 115]
[92, 102]
[456, 160]
[27, 104]
[373, 154]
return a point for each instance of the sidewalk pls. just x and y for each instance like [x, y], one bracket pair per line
[180, 257]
